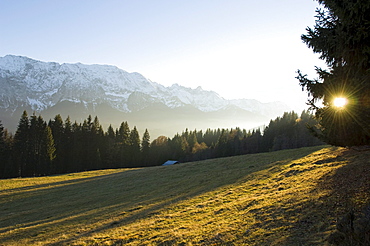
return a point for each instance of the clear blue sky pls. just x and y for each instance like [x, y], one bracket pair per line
[238, 48]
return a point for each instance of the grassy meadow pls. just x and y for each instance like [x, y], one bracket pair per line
[290, 197]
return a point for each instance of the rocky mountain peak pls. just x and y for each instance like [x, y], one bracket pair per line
[39, 86]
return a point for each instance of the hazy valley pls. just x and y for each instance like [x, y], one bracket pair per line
[114, 95]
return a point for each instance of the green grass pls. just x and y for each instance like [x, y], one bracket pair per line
[290, 197]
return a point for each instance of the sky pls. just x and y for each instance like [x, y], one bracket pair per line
[237, 48]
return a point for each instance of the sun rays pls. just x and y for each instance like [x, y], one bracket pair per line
[340, 102]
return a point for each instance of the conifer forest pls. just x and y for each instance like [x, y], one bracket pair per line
[58, 146]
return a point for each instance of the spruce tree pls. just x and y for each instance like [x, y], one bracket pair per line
[8, 168]
[35, 136]
[110, 132]
[3, 162]
[57, 128]
[21, 145]
[41, 147]
[192, 140]
[134, 148]
[341, 37]
[48, 151]
[145, 148]
[2, 140]
[160, 151]
[67, 146]
[178, 146]
[123, 141]
[98, 150]
[222, 149]
[111, 150]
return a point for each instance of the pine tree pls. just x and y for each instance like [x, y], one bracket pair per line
[57, 128]
[111, 148]
[145, 148]
[67, 146]
[2, 140]
[98, 148]
[34, 141]
[192, 140]
[21, 145]
[178, 147]
[341, 37]
[3, 162]
[77, 154]
[222, 148]
[123, 133]
[48, 150]
[8, 167]
[111, 134]
[134, 148]
[41, 148]
[123, 141]
[160, 151]
[253, 142]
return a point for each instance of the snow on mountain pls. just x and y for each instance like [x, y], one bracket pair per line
[267, 109]
[41, 85]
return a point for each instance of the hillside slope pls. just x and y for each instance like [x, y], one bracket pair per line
[114, 95]
[290, 197]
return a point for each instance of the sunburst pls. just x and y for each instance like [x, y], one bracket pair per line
[340, 102]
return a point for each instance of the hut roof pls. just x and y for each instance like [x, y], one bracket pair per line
[167, 163]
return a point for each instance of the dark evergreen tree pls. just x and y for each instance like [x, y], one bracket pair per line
[145, 148]
[341, 37]
[68, 146]
[222, 147]
[86, 144]
[199, 135]
[98, 148]
[4, 162]
[57, 128]
[8, 167]
[21, 146]
[210, 137]
[192, 140]
[283, 129]
[254, 142]
[178, 147]
[123, 142]
[2, 140]
[160, 150]
[89, 141]
[111, 148]
[48, 152]
[42, 148]
[134, 148]
[78, 147]
[34, 144]
[111, 133]
[235, 138]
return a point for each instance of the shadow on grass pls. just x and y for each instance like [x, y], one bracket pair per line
[311, 221]
[37, 189]
[34, 205]
[348, 189]
[116, 199]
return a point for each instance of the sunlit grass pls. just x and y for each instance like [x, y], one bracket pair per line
[273, 198]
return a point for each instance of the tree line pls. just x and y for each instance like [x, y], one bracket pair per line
[39, 148]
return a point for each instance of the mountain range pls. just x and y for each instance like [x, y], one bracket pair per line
[114, 95]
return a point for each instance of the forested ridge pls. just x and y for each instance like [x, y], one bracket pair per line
[43, 148]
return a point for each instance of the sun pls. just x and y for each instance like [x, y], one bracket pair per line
[340, 102]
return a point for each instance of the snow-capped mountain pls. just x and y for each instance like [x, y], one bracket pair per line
[30, 84]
